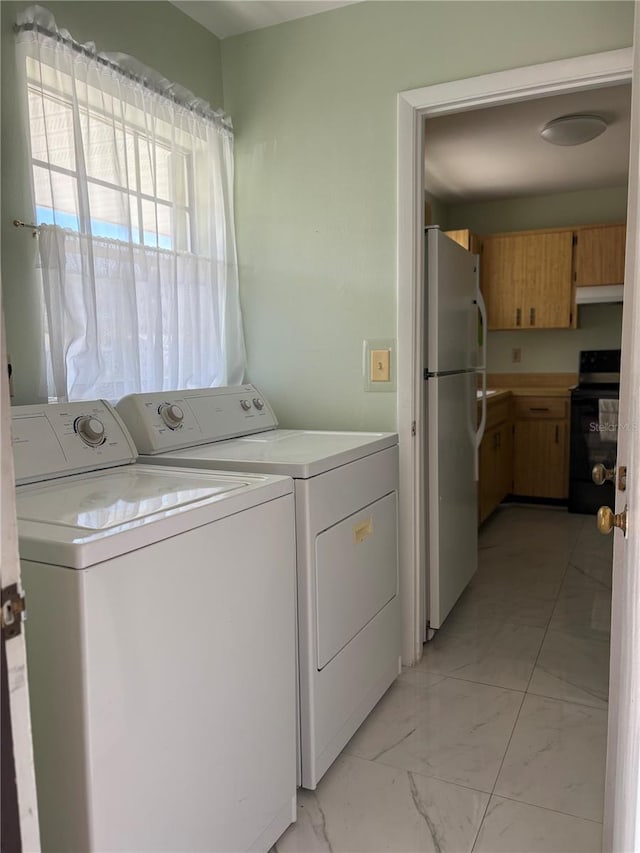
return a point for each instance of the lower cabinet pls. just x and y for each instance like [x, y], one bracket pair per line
[524, 451]
[495, 462]
[540, 447]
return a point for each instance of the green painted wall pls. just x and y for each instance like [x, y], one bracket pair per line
[599, 326]
[314, 106]
[157, 34]
[545, 211]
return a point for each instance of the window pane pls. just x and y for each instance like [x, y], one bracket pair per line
[109, 212]
[56, 198]
[104, 150]
[156, 220]
[51, 124]
[156, 162]
[183, 230]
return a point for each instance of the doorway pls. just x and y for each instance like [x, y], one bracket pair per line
[577, 74]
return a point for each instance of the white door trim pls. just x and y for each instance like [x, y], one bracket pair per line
[621, 830]
[518, 84]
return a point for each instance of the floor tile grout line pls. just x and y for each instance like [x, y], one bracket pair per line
[420, 773]
[555, 604]
[495, 781]
[526, 693]
[547, 809]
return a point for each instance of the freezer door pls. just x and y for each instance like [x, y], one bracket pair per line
[451, 321]
[452, 515]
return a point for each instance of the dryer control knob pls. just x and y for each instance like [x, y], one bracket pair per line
[257, 402]
[90, 430]
[246, 405]
[171, 414]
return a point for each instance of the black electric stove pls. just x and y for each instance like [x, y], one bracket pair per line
[594, 428]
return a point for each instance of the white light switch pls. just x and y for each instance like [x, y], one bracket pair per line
[380, 367]
[378, 364]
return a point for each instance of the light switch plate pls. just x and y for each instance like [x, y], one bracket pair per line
[379, 364]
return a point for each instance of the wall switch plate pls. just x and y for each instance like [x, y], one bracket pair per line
[516, 355]
[378, 364]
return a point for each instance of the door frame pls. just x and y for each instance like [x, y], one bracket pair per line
[518, 84]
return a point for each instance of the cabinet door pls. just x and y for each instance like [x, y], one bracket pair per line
[540, 459]
[502, 278]
[547, 293]
[526, 280]
[599, 255]
[495, 469]
[486, 474]
[504, 462]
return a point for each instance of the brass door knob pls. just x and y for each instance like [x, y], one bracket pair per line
[607, 520]
[599, 474]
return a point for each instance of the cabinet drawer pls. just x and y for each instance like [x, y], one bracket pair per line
[530, 408]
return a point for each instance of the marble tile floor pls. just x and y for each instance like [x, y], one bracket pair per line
[495, 741]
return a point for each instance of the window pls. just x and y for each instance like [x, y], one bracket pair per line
[132, 189]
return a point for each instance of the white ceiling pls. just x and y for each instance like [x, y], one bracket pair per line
[498, 152]
[230, 17]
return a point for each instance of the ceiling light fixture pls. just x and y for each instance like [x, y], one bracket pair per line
[573, 130]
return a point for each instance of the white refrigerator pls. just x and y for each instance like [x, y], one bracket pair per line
[454, 344]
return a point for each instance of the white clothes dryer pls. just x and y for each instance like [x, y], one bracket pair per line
[346, 488]
[160, 641]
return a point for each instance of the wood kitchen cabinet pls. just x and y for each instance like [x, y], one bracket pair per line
[495, 461]
[540, 447]
[526, 280]
[598, 255]
[467, 239]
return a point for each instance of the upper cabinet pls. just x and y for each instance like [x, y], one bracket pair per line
[526, 280]
[599, 255]
[467, 239]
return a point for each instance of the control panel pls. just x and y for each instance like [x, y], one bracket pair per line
[173, 420]
[55, 439]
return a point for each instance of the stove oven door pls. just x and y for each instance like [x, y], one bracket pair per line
[594, 438]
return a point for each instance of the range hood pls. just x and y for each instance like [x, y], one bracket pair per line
[592, 295]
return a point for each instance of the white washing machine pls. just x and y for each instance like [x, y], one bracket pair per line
[160, 641]
[346, 487]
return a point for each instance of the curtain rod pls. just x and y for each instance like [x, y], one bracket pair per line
[113, 66]
[18, 223]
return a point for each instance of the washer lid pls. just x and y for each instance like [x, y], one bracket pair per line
[295, 453]
[83, 519]
[117, 498]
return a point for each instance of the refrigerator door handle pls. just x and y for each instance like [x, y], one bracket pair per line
[482, 308]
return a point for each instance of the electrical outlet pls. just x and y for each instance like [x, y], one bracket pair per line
[516, 355]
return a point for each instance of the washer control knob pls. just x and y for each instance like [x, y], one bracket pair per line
[171, 414]
[257, 402]
[90, 430]
[245, 404]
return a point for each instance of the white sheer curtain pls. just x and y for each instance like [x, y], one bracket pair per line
[133, 185]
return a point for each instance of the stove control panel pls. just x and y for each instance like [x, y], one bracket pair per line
[173, 420]
[55, 439]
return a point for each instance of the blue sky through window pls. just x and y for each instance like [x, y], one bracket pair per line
[100, 228]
